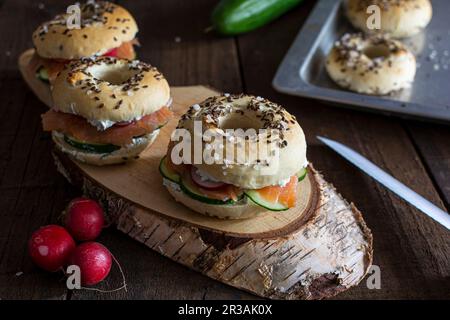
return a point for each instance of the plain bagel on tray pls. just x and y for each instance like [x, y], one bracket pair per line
[371, 64]
[225, 186]
[107, 110]
[399, 18]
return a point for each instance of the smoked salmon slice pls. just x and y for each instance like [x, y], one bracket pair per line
[286, 195]
[78, 128]
[125, 51]
[55, 66]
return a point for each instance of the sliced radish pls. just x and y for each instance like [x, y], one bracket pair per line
[111, 53]
[207, 184]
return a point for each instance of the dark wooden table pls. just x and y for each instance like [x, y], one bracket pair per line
[412, 251]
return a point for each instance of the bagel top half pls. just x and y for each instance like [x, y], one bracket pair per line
[283, 137]
[399, 18]
[110, 89]
[103, 26]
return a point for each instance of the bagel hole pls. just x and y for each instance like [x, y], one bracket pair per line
[377, 51]
[239, 122]
[113, 74]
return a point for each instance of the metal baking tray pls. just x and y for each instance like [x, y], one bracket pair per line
[303, 73]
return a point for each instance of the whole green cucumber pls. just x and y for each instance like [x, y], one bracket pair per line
[231, 17]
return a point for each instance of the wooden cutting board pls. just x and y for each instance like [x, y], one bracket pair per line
[315, 250]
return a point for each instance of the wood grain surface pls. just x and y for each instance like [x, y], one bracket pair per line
[412, 251]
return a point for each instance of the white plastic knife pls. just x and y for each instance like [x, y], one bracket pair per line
[390, 182]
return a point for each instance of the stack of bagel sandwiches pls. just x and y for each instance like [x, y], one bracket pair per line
[106, 107]
[105, 29]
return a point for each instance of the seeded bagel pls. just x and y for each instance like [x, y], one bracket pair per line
[110, 89]
[372, 65]
[288, 148]
[399, 18]
[104, 26]
[107, 110]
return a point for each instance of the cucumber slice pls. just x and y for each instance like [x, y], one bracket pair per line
[188, 187]
[302, 174]
[256, 198]
[42, 74]
[91, 147]
[167, 172]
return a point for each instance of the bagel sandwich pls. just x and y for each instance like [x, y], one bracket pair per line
[106, 29]
[248, 182]
[107, 110]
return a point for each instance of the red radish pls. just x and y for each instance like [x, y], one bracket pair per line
[111, 53]
[50, 247]
[207, 184]
[84, 219]
[94, 261]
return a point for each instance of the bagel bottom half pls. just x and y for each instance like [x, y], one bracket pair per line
[122, 155]
[241, 210]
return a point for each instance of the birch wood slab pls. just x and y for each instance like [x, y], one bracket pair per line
[313, 251]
